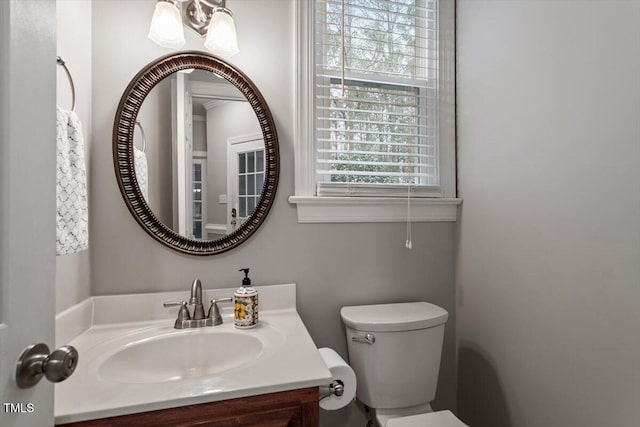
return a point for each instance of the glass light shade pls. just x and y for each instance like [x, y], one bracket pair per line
[221, 35]
[166, 26]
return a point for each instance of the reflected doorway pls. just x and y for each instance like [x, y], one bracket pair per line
[245, 178]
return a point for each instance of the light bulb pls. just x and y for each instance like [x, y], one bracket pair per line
[166, 26]
[221, 35]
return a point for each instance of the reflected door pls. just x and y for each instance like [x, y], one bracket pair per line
[182, 127]
[245, 177]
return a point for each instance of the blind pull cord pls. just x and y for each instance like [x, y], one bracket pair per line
[408, 243]
[342, 47]
[349, 184]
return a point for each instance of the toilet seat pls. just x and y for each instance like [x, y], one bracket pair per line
[432, 419]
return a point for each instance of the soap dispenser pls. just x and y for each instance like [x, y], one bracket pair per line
[246, 304]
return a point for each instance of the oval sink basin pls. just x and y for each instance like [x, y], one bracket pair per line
[180, 356]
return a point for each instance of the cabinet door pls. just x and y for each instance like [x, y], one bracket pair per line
[284, 417]
[295, 408]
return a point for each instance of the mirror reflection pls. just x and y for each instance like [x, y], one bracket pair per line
[199, 154]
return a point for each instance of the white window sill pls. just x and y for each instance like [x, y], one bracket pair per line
[374, 209]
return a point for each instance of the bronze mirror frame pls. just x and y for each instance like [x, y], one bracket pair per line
[123, 129]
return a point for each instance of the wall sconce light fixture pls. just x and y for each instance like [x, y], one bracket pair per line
[209, 18]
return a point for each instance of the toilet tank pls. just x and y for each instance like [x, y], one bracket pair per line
[401, 367]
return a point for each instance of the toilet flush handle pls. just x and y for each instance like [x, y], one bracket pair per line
[369, 338]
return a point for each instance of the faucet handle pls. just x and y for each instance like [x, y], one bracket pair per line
[168, 304]
[183, 314]
[214, 311]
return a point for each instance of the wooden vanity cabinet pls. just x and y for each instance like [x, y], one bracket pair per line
[296, 408]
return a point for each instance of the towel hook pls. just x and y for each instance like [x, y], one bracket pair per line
[144, 138]
[61, 62]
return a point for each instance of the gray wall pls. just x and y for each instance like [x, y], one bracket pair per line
[199, 133]
[73, 19]
[333, 264]
[548, 271]
[155, 117]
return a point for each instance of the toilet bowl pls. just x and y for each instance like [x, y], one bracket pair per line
[395, 351]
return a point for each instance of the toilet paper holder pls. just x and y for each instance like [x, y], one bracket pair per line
[334, 388]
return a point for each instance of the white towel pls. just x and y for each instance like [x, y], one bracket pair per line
[140, 163]
[72, 216]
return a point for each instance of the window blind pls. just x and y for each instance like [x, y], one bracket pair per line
[376, 97]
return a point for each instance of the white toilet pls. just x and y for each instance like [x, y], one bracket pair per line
[395, 352]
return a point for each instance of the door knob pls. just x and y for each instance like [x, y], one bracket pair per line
[36, 362]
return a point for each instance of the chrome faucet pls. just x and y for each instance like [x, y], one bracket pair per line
[198, 320]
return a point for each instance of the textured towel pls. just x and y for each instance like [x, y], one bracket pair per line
[72, 215]
[140, 163]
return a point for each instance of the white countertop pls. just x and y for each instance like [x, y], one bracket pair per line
[289, 360]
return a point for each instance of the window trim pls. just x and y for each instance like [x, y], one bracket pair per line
[314, 209]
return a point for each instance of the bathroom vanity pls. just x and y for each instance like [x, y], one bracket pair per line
[143, 364]
[135, 368]
[296, 408]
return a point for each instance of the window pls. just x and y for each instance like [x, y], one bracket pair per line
[375, 112]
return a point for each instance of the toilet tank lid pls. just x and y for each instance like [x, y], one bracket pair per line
[393, 317]
[432, 419]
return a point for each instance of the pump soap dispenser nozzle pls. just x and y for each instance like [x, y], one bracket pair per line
[246, 281]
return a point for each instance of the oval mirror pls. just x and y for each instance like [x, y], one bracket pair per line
[196, 153]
